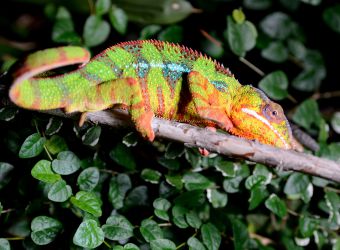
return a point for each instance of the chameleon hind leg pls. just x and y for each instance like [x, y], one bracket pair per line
[127, 93]
[207, 101]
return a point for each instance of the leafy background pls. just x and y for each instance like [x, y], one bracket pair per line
[65, 187]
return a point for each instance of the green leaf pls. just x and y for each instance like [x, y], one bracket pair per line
[88, 202]
[299, 186]
[194, 181]
[307, 226]
[238, 16]
[331, 16]
[59, 191]
[277, 25]
[56, 144]
[44, 229]
[117, 227]
[5, 169]
[191, 199]
[150, 230]
[8, 113]
[63, 28]
[137, 197]
[131, 246]
[227, 168]
[308, 80]
[66, 163]
[333, 204]
[240, 233]
[211, 236]
[275, 52]
[123, 156]
[231, 185]
[130, 139]
[161, 206]
[119, 19]
[254, 180]
[96, 31]
[91, 137]
[42, 171]
[307, 114]
[4, 244]
[297, 48]
[193, 220]
[149, 31]
[241, 37]
[102, 7]
[335, 122]
[257, 4]
[257, 195]
[312, 2]
[173, 33]
[88, 179]
[195, 244]
[88, 235]
[175, 181]
[178, 214]
[173, 150]
[276, 205]
[32, 146]
[162, 244]
[53, 126]
[119, 185]
[216, 198]
[151, 175]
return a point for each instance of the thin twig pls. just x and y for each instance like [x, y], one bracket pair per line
[252, 66]
[326, 95]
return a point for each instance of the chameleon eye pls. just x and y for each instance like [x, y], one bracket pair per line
[274, 113]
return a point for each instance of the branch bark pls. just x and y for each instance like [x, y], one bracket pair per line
[231, 146]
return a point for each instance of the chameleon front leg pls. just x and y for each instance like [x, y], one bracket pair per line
[207, 100]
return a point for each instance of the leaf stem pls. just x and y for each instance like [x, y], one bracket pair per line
[181, 245]
[107, 244]
[252, 66]
[48, 153]
[15, 238]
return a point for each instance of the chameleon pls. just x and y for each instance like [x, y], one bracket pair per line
[150, 78]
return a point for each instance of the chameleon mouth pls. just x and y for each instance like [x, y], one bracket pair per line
[264, 121]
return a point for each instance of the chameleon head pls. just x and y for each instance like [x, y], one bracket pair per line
[255, 116]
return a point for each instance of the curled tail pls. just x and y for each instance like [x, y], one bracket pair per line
[49, 92]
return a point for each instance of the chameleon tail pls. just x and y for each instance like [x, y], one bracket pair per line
[45, 93]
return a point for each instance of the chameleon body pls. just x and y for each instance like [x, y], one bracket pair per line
[151, 78]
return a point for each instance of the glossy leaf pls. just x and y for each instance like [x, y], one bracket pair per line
[117, 227]
[162, 244]
[331, 16]
[88, 202]
[4, 244]
[119, 185]
[59, 191]
[102, 7]
[66, 163]
[217, 198]
[32, 146]
[150, 175]
[195, 244]
[96, 31]
[307, 114]
[211, 236]
[118, 19]
[88, 179]
[123, 156]
[5, 170]
[276, 205]
[336, 122]
[194, 181]
[44, 229]
[91, 137]
[275, 52]
[42, 171]
[56, 144]
[88, 235]
[277, 25]
[150, 230]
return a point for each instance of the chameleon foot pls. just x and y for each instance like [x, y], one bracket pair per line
[143, 125]
[82, 119]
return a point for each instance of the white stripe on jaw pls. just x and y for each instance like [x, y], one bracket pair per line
[265, 121]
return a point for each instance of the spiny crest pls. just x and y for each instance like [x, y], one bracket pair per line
[183, 49]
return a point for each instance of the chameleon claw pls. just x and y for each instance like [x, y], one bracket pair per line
[204, 152]
[82, 119]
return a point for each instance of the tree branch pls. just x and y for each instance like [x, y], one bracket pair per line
[229, 145]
